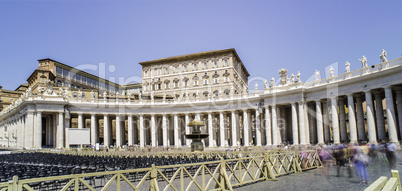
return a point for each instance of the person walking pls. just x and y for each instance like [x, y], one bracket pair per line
[390, 153]
[361, 162]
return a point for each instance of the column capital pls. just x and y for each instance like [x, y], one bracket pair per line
[368, 91]
[388, 87]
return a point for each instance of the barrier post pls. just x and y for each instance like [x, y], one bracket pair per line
[153, 179]
[15, 183]
[267, 169]
[395, 174]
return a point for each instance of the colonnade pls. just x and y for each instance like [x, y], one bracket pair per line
[369, 115]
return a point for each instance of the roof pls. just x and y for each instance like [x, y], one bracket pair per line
[78, 71]
[195, 55]
[39, 70]
[132, 85]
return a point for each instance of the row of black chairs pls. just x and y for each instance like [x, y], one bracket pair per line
[36, 165]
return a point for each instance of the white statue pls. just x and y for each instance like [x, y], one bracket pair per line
[140, 96]
[298, 77]
[363, 60]
[317, 75]
[347, 67]
[66, 93]
[256, 87]
[104, 94]
[292, 78]
[283, 73]
[93, 95]
[164, 95]
[272, 82]
[265, 84]
[244, 89]
[331, 72]
[174, 95]
[232, 90]
[197, 93]
[383, 56]
[79, 94]
[152, 95]
[29, 91]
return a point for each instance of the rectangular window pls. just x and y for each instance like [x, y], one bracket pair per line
[166, 71]
[195, 66]
[215, 64]
[205, 81]
[175, 69]
[167, 85]
[225, 62]
[159, 86]
[227, 79]
[184, 68]
[185, 83]
[59, 71]
[215, 80]
[84, 79]
[65, 73]
[176, 84]
[196, 82]
[205, 66]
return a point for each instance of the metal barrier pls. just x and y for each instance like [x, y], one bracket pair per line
[215, 175]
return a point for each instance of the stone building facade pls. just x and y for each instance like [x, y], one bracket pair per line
[344, 108]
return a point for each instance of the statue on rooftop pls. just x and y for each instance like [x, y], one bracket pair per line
[298, 77]
[256, 87]
[347, 64]
[283, 73]
[317, 75]
[331, 72]
[272, 82]
[383, 56]
[292, 78]
[140, 96]
[164, 95]
[363, 60]
[266, 84]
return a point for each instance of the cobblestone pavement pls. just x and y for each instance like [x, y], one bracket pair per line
[314, 180]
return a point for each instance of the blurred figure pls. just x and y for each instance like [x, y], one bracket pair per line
[361, 162]
[325, 158]
[342, 160]
[390, 153]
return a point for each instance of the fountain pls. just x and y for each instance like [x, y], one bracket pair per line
[196, 136]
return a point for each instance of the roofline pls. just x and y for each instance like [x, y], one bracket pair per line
[199, 54]
[79, 71]
[38, 70]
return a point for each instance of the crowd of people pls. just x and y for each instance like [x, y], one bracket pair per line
[357, 156]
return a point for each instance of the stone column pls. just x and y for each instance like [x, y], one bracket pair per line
[335, 121]
[306, 123]
[80, 121]
[130, 133]
[302, 124]
[392, 133]
[164, 131]
[352, 119]
[245, 128]
[93, 129]
[22, 129]
[295, 130]
[274, 126]
[399, 107]
[268, 126]
[257, 128]
[234, 129]
[38, 130]
[370, 118]
[106, 136]
[379, 112]
[221, 129]
[342, 120]
[153, 131]
[118, 131]
[60, 131]
[360, 118]
[320, 128]
[142, 136]
[187, 130]
[177, 143]
[327, 133]
[211, 140]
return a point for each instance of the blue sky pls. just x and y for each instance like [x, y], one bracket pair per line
[268, 35]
